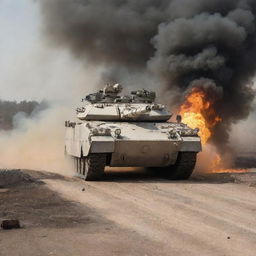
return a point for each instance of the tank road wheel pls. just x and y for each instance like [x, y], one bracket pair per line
[183, 168]
[93, 166]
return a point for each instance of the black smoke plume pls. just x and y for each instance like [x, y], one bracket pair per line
[178, 41]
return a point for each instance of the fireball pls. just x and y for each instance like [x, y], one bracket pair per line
[198, 112]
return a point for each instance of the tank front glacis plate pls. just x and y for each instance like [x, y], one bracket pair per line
[144, 153]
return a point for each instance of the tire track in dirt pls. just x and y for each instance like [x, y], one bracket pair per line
[187, 218]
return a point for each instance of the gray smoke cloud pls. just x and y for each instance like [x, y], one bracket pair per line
[181, 43]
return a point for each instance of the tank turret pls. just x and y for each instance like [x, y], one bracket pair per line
[107, 104]
[107, 95]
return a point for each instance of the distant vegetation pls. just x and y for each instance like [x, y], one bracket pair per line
[8, 110]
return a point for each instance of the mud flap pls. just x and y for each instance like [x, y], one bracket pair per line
[102, 144]
[191, 144]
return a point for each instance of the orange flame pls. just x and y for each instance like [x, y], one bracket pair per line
[217, 167]
[198, 112]
[231, 171]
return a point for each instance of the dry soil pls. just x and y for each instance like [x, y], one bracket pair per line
[130, 213]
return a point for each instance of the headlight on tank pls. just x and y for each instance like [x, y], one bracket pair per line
[189, 132]
[94, 132]
[118, 132]
[106, 132]
[196, 131]
[101, 132]
[173, 134]
[185, 132]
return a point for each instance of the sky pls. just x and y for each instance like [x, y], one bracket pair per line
[19, 33]
[29, 68]
[19, 22]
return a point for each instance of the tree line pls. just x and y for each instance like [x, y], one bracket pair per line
[8, 110]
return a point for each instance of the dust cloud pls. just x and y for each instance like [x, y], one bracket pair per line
[31, 70]
[37, 142]
[176, 43]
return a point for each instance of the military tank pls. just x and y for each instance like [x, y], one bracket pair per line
[129, 131]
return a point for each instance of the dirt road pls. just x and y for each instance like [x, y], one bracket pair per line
[135, 214]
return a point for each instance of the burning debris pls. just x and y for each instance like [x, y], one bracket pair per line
[10, 224]
[217, 166]
[231, 171]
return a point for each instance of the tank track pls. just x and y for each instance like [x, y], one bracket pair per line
[183, 167]
[92, 167]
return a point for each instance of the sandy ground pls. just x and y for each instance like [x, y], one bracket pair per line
[131, 213]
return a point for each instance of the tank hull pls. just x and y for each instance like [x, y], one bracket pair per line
[144, 153]
[139, 145]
